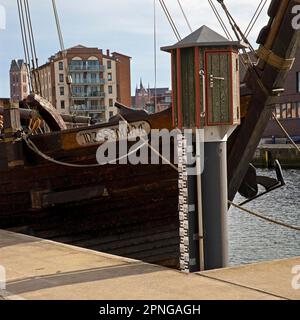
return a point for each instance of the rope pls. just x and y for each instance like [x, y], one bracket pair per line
[35, 149]
[34, 56]
[285, 132]
[32, 46]
[255, 17]
[60, 36]
[170, 19]
[155, 56]
[236, 29]
[185, 16]
[29, 47]
[260, 216]
[25, 42]
[150, 146]
[219, 18]
[62, 47]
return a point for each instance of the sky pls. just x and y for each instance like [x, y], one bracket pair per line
[125, 26]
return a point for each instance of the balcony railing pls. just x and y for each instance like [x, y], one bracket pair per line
[96, 94]
[99, 68]
[89, 81]
[83, 108]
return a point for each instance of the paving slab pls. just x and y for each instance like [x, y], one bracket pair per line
[39, 269]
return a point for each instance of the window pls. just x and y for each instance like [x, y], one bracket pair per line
[111, 102]
[24, 78]
[61, 77]
[108, 64]
[298, 109]
[62, 104]
[61, 65]
[25, 89]
[298, 82]
[283, 111]
[109, 76]
[110, 89]
[62, 91]
[294, 110]
[111, 114]
[93, 65]
[289, 111]
[278, 112]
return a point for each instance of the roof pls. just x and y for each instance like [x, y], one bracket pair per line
[121, 54]
[204, 37]
[158, 91]
[17, 64]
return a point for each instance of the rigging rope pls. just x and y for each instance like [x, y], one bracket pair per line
[34, 54]
[29, 47]
[255, 17]
[285, 132]
[260, 216]
[60, 35]
[170, 19]
[32, 47]
[63, 50]
[236, 29]
[150, 146]
[185, 16]
[155, 56]
[25, 43]
[219, 18]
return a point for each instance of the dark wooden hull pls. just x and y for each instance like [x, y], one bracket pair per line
[125, 210]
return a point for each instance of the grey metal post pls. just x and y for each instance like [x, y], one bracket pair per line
[214, 198]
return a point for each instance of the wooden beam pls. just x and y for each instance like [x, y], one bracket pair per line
[243, 143]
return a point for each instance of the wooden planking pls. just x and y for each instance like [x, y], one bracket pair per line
[108, 224]
[219, 97]
[102, 217]
[188, 87]
[198, 88]
[174, 88]
[179, 88]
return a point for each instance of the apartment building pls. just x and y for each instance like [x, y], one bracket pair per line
[85, 81]
[18, 80]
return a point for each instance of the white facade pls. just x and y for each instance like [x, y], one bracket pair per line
[110, 76]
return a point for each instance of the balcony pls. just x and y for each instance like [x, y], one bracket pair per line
[89, 81]
[85, 68]
[88, 108]
[89, 95]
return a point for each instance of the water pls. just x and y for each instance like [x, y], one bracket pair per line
[254, 240]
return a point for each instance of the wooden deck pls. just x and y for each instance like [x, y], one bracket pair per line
[40, 269]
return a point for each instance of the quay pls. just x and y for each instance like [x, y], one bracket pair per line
[39, 269]
[287, 155]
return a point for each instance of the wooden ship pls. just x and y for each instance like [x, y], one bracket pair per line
[52, 188]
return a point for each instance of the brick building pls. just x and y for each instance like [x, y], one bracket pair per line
[18, 75]
[86, 81]
[150, 99]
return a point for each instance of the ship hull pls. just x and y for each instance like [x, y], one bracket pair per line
[127, 210]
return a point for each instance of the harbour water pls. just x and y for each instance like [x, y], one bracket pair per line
[254, 240]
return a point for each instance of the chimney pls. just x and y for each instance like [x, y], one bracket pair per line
[108, 52]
